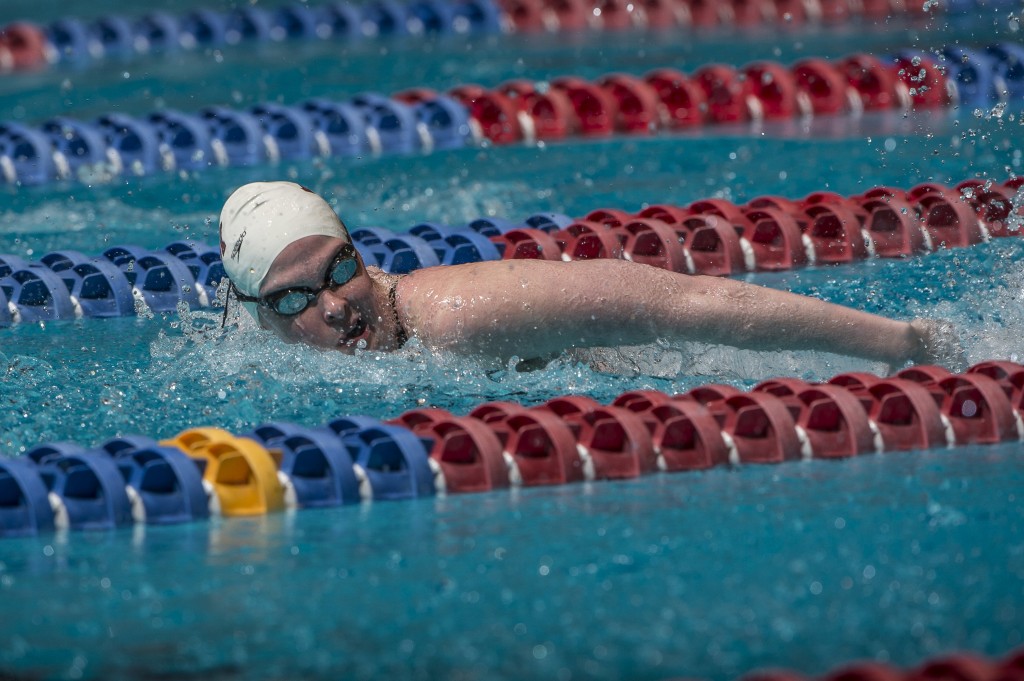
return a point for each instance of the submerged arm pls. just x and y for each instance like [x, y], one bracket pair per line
[534, 308]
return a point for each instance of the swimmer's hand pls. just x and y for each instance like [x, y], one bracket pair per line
[939, 344]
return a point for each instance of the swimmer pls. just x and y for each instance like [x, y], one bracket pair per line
[293, 266]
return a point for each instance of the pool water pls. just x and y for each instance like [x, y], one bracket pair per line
[703, 575]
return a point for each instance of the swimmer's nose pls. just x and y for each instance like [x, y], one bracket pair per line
[334, 307]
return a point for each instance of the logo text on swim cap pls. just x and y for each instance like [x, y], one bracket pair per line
[238, 246]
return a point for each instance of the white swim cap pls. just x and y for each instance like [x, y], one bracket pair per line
[260, 219]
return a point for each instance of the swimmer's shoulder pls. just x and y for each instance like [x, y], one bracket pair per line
[384, 278]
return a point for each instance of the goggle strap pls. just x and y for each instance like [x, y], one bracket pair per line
[227, 299]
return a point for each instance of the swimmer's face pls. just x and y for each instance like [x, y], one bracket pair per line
[342, 317]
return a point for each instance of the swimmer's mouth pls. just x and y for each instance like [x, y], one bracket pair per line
[354, 333]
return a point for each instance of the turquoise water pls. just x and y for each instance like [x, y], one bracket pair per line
[703, 575]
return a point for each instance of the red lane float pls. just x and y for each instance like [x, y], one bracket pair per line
[638, 109]
[907, 416]
[978, 409]
[1009, 375]
[672, 215]
[574, 437]
[684, 433]
[609, 217]
[865, 671]
[774, 88]
[683, 101]
[660, 14]
[824, 87]
[529, 243]
[772, 233]
[23, 45]
[959, 666]
[586, 240]
[493, 113]
[714, 246]
[775, 239]
[729, 95]
[595, 107]
[550, 114]
[614, 442]
[994, 206]
[666, 98]
[835, 234]
[759, 428]
[468, 454]
[924, 79]
[893, 227]
[655, 243]
[539, 446]
[832, 418]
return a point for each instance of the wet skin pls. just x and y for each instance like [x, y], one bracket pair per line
[532, 308]
[356, 314]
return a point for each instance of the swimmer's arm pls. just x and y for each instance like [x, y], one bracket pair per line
[535, 308]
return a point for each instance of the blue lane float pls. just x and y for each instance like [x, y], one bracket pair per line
[6, 316]
[164, 486]
[133, 144]
[237, 137]
[185, 140]
[87, 491]
[157, 32]
[122, 446]
[393, 122]
[1009, 65]
[338, 19]
[100, 289]
[446, 121]
[465, 246]
[26, 155]
[383, 18]
[9, 263]
[114, 34]
[291, 129]
[341, 125]
[548, 222]
[164, 282]
[248, 24]
[316, 466]
[392, 252]
[59, 261]
[69, 41]
[203, 28]
[67, 284]
[295, 22]
[391, 459]
[38, 294]
[204, 263]
[75, 144]
[457, 245]
[974, 75]
[25, 509]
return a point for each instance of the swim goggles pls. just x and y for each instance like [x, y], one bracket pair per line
[292, 301]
